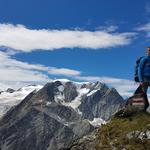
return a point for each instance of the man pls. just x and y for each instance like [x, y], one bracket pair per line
[144, 71]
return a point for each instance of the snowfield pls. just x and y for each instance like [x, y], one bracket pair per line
[8, 100]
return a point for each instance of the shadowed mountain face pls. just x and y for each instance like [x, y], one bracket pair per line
[57, 114]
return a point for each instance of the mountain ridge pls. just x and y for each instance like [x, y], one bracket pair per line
[48, 113]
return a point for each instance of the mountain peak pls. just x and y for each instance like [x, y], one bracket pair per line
[56, 114]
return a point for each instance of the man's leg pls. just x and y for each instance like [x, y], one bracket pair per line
[145, 87]
[141, 88]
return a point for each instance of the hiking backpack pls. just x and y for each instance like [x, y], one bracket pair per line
[136, 78]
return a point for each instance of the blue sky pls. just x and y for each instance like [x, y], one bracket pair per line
[81, 40]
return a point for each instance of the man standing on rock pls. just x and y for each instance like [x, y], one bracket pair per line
[143, 71]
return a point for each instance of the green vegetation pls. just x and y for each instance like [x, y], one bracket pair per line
[113, 135]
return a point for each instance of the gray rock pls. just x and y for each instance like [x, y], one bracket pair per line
[87, 142]
[70, 92]
[148, 110]
[143, 135]
[9, 90]
[102, 103]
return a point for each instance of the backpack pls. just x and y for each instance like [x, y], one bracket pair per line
[136, 78]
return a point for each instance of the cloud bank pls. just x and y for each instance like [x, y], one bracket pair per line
[24, 39]
[14, 72]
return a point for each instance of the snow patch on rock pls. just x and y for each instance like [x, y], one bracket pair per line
[97, 122]
[92, 92]
[77, 101]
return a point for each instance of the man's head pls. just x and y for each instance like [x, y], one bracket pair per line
[148, 50]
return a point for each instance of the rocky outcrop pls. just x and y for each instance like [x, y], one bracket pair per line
[142, 135]
[9, 90]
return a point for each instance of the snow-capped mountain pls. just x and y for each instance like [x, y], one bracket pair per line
[10, 97]
[54, 115]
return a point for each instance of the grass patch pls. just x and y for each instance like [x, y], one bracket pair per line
[114, 133]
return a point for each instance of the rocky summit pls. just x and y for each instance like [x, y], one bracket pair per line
[56, 115]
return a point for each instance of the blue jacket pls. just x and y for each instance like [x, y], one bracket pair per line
[144, 68]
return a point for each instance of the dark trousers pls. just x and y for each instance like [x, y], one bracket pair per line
[142, 88]
[145, 87]
[146, 83]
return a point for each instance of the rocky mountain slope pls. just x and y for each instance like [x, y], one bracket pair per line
[126, 133]
[57, 114]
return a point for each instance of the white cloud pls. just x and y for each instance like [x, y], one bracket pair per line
[146, 28]
[125, 87]
[16, 72]
[63, 71]
[110, 28]
[23, 39]
[7, 62]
